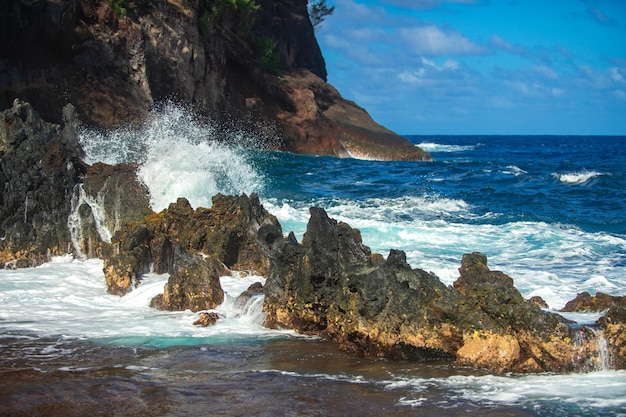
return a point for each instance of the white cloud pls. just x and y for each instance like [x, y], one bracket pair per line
[430, 40]
[616, 74]
[449, 64]
[413, 77]
[498, 42]
[535, 89]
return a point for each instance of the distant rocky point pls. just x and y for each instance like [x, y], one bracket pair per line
[258, 67]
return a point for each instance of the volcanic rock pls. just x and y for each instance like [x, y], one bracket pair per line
[601, 301]
[613, 327]
[194, 284]
[207, 319]
[225, 232]
[329, 286]
[40, 167]
[253, 290]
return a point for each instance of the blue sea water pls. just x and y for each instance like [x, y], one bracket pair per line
[549, 211]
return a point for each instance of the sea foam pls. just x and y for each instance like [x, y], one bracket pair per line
[577, 178]
[179, 156]
[438, 147]
[68, 298]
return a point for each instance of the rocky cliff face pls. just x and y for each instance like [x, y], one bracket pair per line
[39, 169]
[228, 60]
[51, 203]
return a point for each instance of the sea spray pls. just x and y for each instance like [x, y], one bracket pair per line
[604, 361]
[75, 221]
[179, 155]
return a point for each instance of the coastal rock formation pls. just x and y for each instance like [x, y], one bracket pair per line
[613, 327]
[601, 301]
[170, 241]
[206, 319]
[320, 121]
[328, 285]
[194, 284]
[52, 203]
[39, 168]
[257, 64]
[107, 198]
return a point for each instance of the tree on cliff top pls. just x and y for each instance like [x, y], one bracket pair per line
[318, 11]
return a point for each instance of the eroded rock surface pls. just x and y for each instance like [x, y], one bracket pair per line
[328, 285]
[224, 235]
[40, 167]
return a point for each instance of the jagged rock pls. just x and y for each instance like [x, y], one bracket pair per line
[39, 168]
[226, 231]
[51, 202]
[108, 197]
[539, 301]
[207, 319]
[119, 274]
[114, 69]
[601, 301]
[612, 324]
[194, 284]
[328, 285]
[253, 290]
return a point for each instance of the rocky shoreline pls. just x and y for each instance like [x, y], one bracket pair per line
[330, 284]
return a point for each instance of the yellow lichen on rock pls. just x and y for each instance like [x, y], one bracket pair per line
[489, 350]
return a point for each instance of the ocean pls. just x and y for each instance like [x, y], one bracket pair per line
[550, 211]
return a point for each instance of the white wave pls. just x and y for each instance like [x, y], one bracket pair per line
[514, 170]
[553, 261]
[598, 389]
[179, 156]
[68, 298]
[589, 391]
[382, 209]
[438, 147]
[577, 178]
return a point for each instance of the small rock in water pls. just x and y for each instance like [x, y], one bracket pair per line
[206, 319]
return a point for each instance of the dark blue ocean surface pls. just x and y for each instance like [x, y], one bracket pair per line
[548, 210]
[572, 180]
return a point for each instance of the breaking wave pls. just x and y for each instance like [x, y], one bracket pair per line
[577, 178]
[179, 155]
[438, 147]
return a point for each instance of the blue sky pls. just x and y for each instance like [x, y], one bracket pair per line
[482, 66]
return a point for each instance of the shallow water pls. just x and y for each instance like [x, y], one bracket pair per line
[70, 349]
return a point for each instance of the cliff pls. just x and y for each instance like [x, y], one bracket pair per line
[257, 63]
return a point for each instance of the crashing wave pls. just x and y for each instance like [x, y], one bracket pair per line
[577, 178]
[178, 156]
[438, 147]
